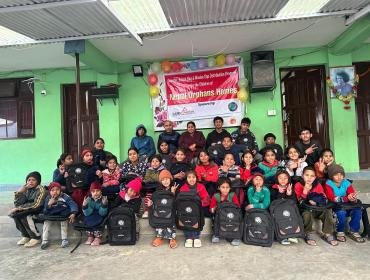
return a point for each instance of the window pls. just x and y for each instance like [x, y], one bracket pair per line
[16, 109]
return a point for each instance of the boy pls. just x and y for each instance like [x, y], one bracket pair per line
[28, 201]
[218, 134]
[218, 151]
[270, 139]
[58, 204]
[308, 146]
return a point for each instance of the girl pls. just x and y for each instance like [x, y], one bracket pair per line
[61, 173]
[309, 190]
[207, 172]
[321, 167]
[179, 167]
[224, 187]
[258, 194]
[111, 176]
[295, 163]
[248, 167]
[269, 166]
[165, 178]
[99, 155]
[143, 143]
[164, 151]
[132, 167]
[192, 141]
[191, 185]
[130, 196]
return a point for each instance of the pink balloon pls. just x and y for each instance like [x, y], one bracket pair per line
[230, 59]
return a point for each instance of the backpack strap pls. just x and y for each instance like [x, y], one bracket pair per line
[229, 197]
[218, 197]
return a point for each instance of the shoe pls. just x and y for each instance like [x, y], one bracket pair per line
[188, 243]
[215, 239]
[96, 242]
[23, 241]
[197, 243]
[65, 243]
[44, 245]
[293, 240]
[173, 243]
[145, 215]
[157, 242]
[235, 242]
[285, 242]
[32, 243]
[89, 240]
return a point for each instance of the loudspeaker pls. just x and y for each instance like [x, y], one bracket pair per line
[263, 70]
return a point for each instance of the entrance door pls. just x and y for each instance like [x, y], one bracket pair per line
[304, 103]
[89, 118]
[363, 114]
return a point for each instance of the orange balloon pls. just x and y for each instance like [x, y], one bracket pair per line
[166, 66]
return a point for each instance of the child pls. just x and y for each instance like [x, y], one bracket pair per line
[111, 176]
[341, 190]
[229, 170]
[321, 166]
[207, 172]
[61, 173]
[248, 167]
[164, 152]
[308, 146]
[269, 166]
[94, 208]
[270, 139]
[58, 204]
[191, 185]
[258, 194]
[179, 167]
[224, 186]
[165, 178]
[132, 167]
[310, 190]
[99, 154]
[219, 151]
[295, 163]
[28, 200]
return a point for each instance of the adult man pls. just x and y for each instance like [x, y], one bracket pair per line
[308, 146]
[243, 136]
[217, 135]
[170, 136]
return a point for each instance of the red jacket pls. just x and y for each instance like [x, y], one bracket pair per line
[213, 203]
[207, 173]
[338, 193]
[298, 189]
[111, 178]
[201, 191]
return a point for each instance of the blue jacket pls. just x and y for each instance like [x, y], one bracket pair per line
[144, 144]
[64, 206]
[94, 212]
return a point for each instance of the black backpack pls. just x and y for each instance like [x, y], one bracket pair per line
[162, 214]
[228, 220]
[258, 228]
[189, 212]
[287, 219]
[121, 226]
[77, 176]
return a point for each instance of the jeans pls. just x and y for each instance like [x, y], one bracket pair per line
[354, 224]
[191, 234]
[46, 229]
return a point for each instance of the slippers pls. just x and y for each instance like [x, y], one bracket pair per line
[341, 237]
[173, 243]
[329, 239]
[310, 240]
[356, 237]
[157, 242]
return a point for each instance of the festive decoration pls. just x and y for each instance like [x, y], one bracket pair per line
[152, 79]
[243, 94]
[194, 65]
[166, 66]
[220, 60]
[347, 98]
[202, 63]
[243, 82]
[230, 59]
[156, 67]
[211, 61]
[177, 66]
[153, 91]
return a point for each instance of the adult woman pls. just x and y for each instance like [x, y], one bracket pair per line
[192, 141]
[132, 167]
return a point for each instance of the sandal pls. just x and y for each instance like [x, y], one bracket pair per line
[356, 237]
[173, 243]
[329, 239]
[157, 242]
[310, 240]
[341, 237]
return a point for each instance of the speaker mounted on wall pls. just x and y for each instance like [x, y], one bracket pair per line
[263, 70]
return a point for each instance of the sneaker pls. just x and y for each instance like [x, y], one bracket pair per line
[32, 243]
[235, 242]
[96, 242]
[188, 243]
[23, 241]
[293, 240]
[145, 215]
[285, 242]
[197, 243]
[89, 240]
[65, 243]
[44, 245]
[215, 239]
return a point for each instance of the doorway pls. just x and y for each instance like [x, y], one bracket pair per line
[89, 118]
[304, 103]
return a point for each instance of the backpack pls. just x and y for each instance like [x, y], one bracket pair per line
[77, 176]
[287, 219]
[189, 212]
[162, 214]
[258, 228]
[228, 221]
[122, 226]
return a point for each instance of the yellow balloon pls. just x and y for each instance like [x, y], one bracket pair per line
[153, 91]
[243, 94]
[220, 60]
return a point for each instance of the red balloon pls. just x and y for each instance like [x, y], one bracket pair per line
[177, 66]
[152, 79]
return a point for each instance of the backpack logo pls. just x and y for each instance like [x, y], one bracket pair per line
[188, 210]
[78, 170]
[121, 222]
[286, 213]
[215, 152]
[258, 220]
[230, 215]
[164, 201]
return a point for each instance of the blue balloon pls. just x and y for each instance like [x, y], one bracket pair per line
[194, 65]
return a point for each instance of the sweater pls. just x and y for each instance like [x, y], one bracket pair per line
[297, 171]
[64, 206]
[232, 173]
[269, 170]
[299, 186]
[277, 149]
[201, 191]
[111, 177]
[152, 175]
[215, 137]
[260, 199]
[31, 199]
[207, 173]
[213, 203]
[186, 140]
[338, 193]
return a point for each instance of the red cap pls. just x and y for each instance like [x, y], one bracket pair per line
[95, 186]
[85, 151]
[53, 185]
[135, 185]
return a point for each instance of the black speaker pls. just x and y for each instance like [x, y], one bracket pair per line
[263, 70]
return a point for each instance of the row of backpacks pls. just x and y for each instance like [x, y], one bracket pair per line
[257, 227]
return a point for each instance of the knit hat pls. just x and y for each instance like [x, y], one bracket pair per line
[35, 175]
[53, 185]
[85, 151]
[135, 185]
[258, 174]
[335, 169]
[95, 186]
[165, 174]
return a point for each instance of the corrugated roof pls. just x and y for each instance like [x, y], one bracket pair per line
[15, 3]
[301, 8]
[9, 37]
[340, 5]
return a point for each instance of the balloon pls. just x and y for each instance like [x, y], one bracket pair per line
[230, 59]
[153, 91]
[166, 66]
[211, 62]
[220, 60]
[243, 82]
[177, 66]
[202, 63]
[243, 94]
[156, 67]
[152, 79]
[194, 65]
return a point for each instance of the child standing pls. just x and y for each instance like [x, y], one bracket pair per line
[28, 200]
[95, 208]
[61, 173]
[58, 204]
[111, 176]
[269, 166]
[191, 185]
[310, 191]
[258, 194]
[295, 163]
[341, 190]
[224, 195]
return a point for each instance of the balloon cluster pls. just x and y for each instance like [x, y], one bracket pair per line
[243, 93]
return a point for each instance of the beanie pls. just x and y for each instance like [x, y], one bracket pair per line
[53, 185]
[85, 151]
[35, 175]
[258, 174]
[335, 169]
[95, 186]
[135, 185]
[165, 174]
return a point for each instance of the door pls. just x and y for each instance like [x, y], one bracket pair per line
[363, 114]
[304, 103]
[89, 118]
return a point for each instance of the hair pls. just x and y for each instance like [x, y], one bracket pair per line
[62, 158]
[181, 150]
[191, 122]
[99, 138]
[281, 171]
[304, 128]
[267, 135]
[191, 171]
[264, 152]
[242, 163]
[344, 76]
[223, 180]
[246, 120]
[157, 156]
[227, 136]
[133, 149]
[227, 153]
[137, 130]
[110, 157]
[218, 118]
[325, 151]
[308, 168]
[294, 147]
[160, 142]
